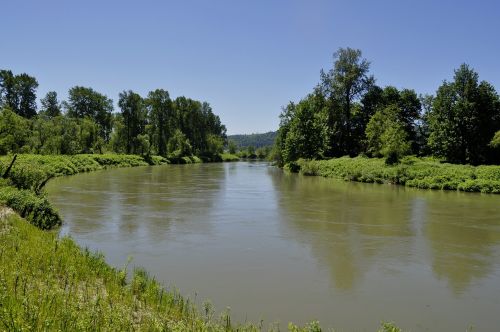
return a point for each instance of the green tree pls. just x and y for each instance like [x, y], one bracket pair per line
[344, 86]
[179, 145]
[232, 148]
[305, 136]
[85, 102]
[18, 92]
[215, 145]
[118, 140]
[50, 105]
[386, 135]
[14, 132]
[162, 119]
[495, 142]
[464, 118]
[134, 119]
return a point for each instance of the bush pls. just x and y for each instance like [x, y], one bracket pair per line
[36, 209]
[424, 173]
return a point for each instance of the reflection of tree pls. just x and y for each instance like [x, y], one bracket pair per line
[149, 200]
[463, 230]
[348, 226]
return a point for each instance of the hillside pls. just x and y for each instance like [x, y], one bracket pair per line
[255, 140]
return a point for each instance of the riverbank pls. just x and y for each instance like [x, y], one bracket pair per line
[423, 173]
[21, 185]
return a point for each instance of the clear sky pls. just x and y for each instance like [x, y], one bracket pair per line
[246, 58]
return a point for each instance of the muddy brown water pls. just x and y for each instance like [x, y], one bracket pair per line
[284, 247]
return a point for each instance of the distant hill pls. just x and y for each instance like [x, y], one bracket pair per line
[256, 140]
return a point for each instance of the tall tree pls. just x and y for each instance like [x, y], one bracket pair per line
[464, 118]
[305, 137]
[50, 105]
[134, 119]
[85, 102]
[19, 93]
[343, 86]
[162, 119]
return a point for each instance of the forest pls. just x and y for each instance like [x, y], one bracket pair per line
[87, 123]
[348, 114]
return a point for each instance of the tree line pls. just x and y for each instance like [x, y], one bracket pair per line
[87, 123]
[347, 113]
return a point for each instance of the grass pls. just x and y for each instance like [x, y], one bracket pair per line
[424, 173]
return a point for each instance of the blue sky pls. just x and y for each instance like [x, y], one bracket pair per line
[246, 58]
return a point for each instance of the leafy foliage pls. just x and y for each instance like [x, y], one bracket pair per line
[424, 173]
[347, 114]
[464, 117]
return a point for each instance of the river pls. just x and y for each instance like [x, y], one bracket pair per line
[282, 247]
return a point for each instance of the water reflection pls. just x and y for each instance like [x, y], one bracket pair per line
[145, 203]
[347, 227]
[351, 226]
[286, 247]
[463, 231]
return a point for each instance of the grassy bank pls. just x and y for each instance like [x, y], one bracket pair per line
[411, 172]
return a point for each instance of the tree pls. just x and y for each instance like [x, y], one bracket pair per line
[232, 147]
[85, 102]
[18, 92]
[14, 132]
[386, 135]
[215, 145]
[495, 142]
[344, 85]
[162, 119]
[50, 105]
[305, 136]
[178, 145]
[464, 118]
[134, 120]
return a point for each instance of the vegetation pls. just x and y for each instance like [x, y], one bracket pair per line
[86, 122]
[425, 173]
[347, 114]
[255, 140]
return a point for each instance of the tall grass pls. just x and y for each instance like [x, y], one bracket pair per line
[424, 173]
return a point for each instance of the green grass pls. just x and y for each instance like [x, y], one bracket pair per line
[424, 173]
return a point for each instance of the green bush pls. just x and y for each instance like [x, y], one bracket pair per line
[36, 209]
[424, 173]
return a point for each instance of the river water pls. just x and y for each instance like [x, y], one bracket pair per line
[283, 247]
